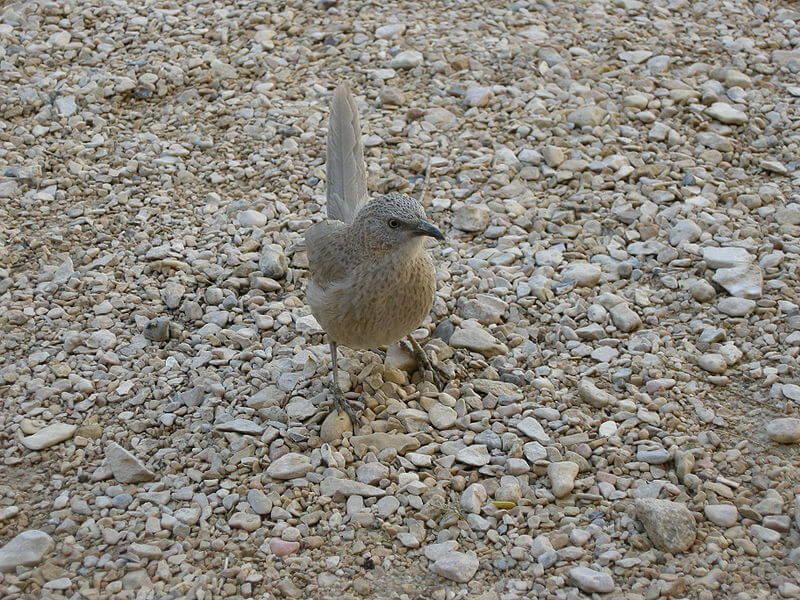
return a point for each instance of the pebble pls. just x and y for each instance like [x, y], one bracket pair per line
[53, 434]
[289, 466]
[125, 467]
[408, 59]
[477, 340]
[562, 476]
[784, 431]
[534, 430]
[669, 525]
[724, 112]
[456, 566]
[591, 581]
[724, 515]
[25, 549]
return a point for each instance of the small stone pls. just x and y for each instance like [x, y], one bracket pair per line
[591, 581]
[478, 96]
[66, 106]
[259, 502]
[471, 218]
[702, 291]
[669, 525]
[157, 330]
[553, 156]
[273, 262]
[334, 426]
[534, 451]
[390, 31]
[441, 416]
[289, 466]
[584, 274]
[784, 431]
[477, 340]
[724, 515]
[593, 395]
[408, 59]
[533, 429]
[331, 486]
[27, 549]
[456, 566]
[562, 476]
[125, 467]
[245, 520]
[243, 426]
[741, 281]
[476, 455]
[624, 318]
[587, 116]
[684, 231]
[724, 112]
[372, 472]
[381, 441]
[281, 547]
[725, 258]
[713, 363]
[473, 498]
[252, 218]
[53, 434]
[736, 307]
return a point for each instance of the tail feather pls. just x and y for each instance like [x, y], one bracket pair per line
[346, 173]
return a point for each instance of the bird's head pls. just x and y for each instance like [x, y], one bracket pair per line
[394, 221]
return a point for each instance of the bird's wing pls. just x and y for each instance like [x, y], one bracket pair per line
[327, 254]
[345, 170]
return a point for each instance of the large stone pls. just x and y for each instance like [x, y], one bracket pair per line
[289, 466]
[742, 281]
[51, 435]
[477, 340]
[726, 257]
[669, 525]
[125, 467]
[456, 566]
[27, 549]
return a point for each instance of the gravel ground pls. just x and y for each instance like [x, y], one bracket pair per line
[617, 303]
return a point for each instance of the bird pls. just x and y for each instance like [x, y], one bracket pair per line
[371, 281]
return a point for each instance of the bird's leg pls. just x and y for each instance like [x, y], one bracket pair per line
[425, 363]
[338, 397]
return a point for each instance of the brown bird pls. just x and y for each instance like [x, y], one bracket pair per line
[371, 280]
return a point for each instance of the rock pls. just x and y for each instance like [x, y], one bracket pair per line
[272, 262]
[724, 112]
[553, 156]
[624, 318]
[280, 547]
[252, 218]
[157, 330]
[587, 116]
[533, 429]
[724, 515]
[736, 307]
[456, 566]
[684, 231]
[66, 105]
[408, 59]
[484, 308]
[593, 395]
[476, 455]
[26, 549]
[442, 417]
[478, 96]
[334, 426]
[259, 502]
[172, 294]
[390, 31]
[289, 466]
[784, 431]
[244, 520]
[477, 340]
[591, 581]
[562, 476]
[381, 441]
[702, 291]
[725, 258]
[669, 525]
[243, 426]
[473, 498]
[741, 281]
[713, 363]
[332, 486]
[471, 218]
[534, 451]
[125, 467]
[584, 274]
[372, 472]
[53, 434]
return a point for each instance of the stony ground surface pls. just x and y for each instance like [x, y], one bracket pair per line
[617, 302]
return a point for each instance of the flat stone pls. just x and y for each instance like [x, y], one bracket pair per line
[157, 330]
[245, 520]
[726, 257]
[713, 363]
[534, 451]
[624, 318]
[441, 416]
[478, 96]
[243, 426]
[472, 218]
[724, 515]
[53, 434]
[289, 466]
[125, 467]
[587, 116]
[584, 274]
[476, 455]
[408, 59]
[784, 431]
[534, 430]
[477, 340]
[736, 307]
[381, 441]
[724, 112]
[456, 566]
[591, 581]
[669, 525]
[390, 31]
[593, 395]
[331, 486]
[743, 281]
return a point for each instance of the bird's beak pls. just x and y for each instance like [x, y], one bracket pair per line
[428, 229]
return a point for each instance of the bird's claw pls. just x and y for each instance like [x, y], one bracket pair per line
[428, 367]
[349, 407]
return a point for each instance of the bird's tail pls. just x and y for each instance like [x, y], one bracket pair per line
[346, 186]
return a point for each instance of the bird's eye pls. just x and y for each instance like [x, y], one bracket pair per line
[394, 223]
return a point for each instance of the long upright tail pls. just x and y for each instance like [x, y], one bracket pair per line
[346, 186]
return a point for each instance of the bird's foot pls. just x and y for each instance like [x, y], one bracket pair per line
[350, 407]
[438, 375]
